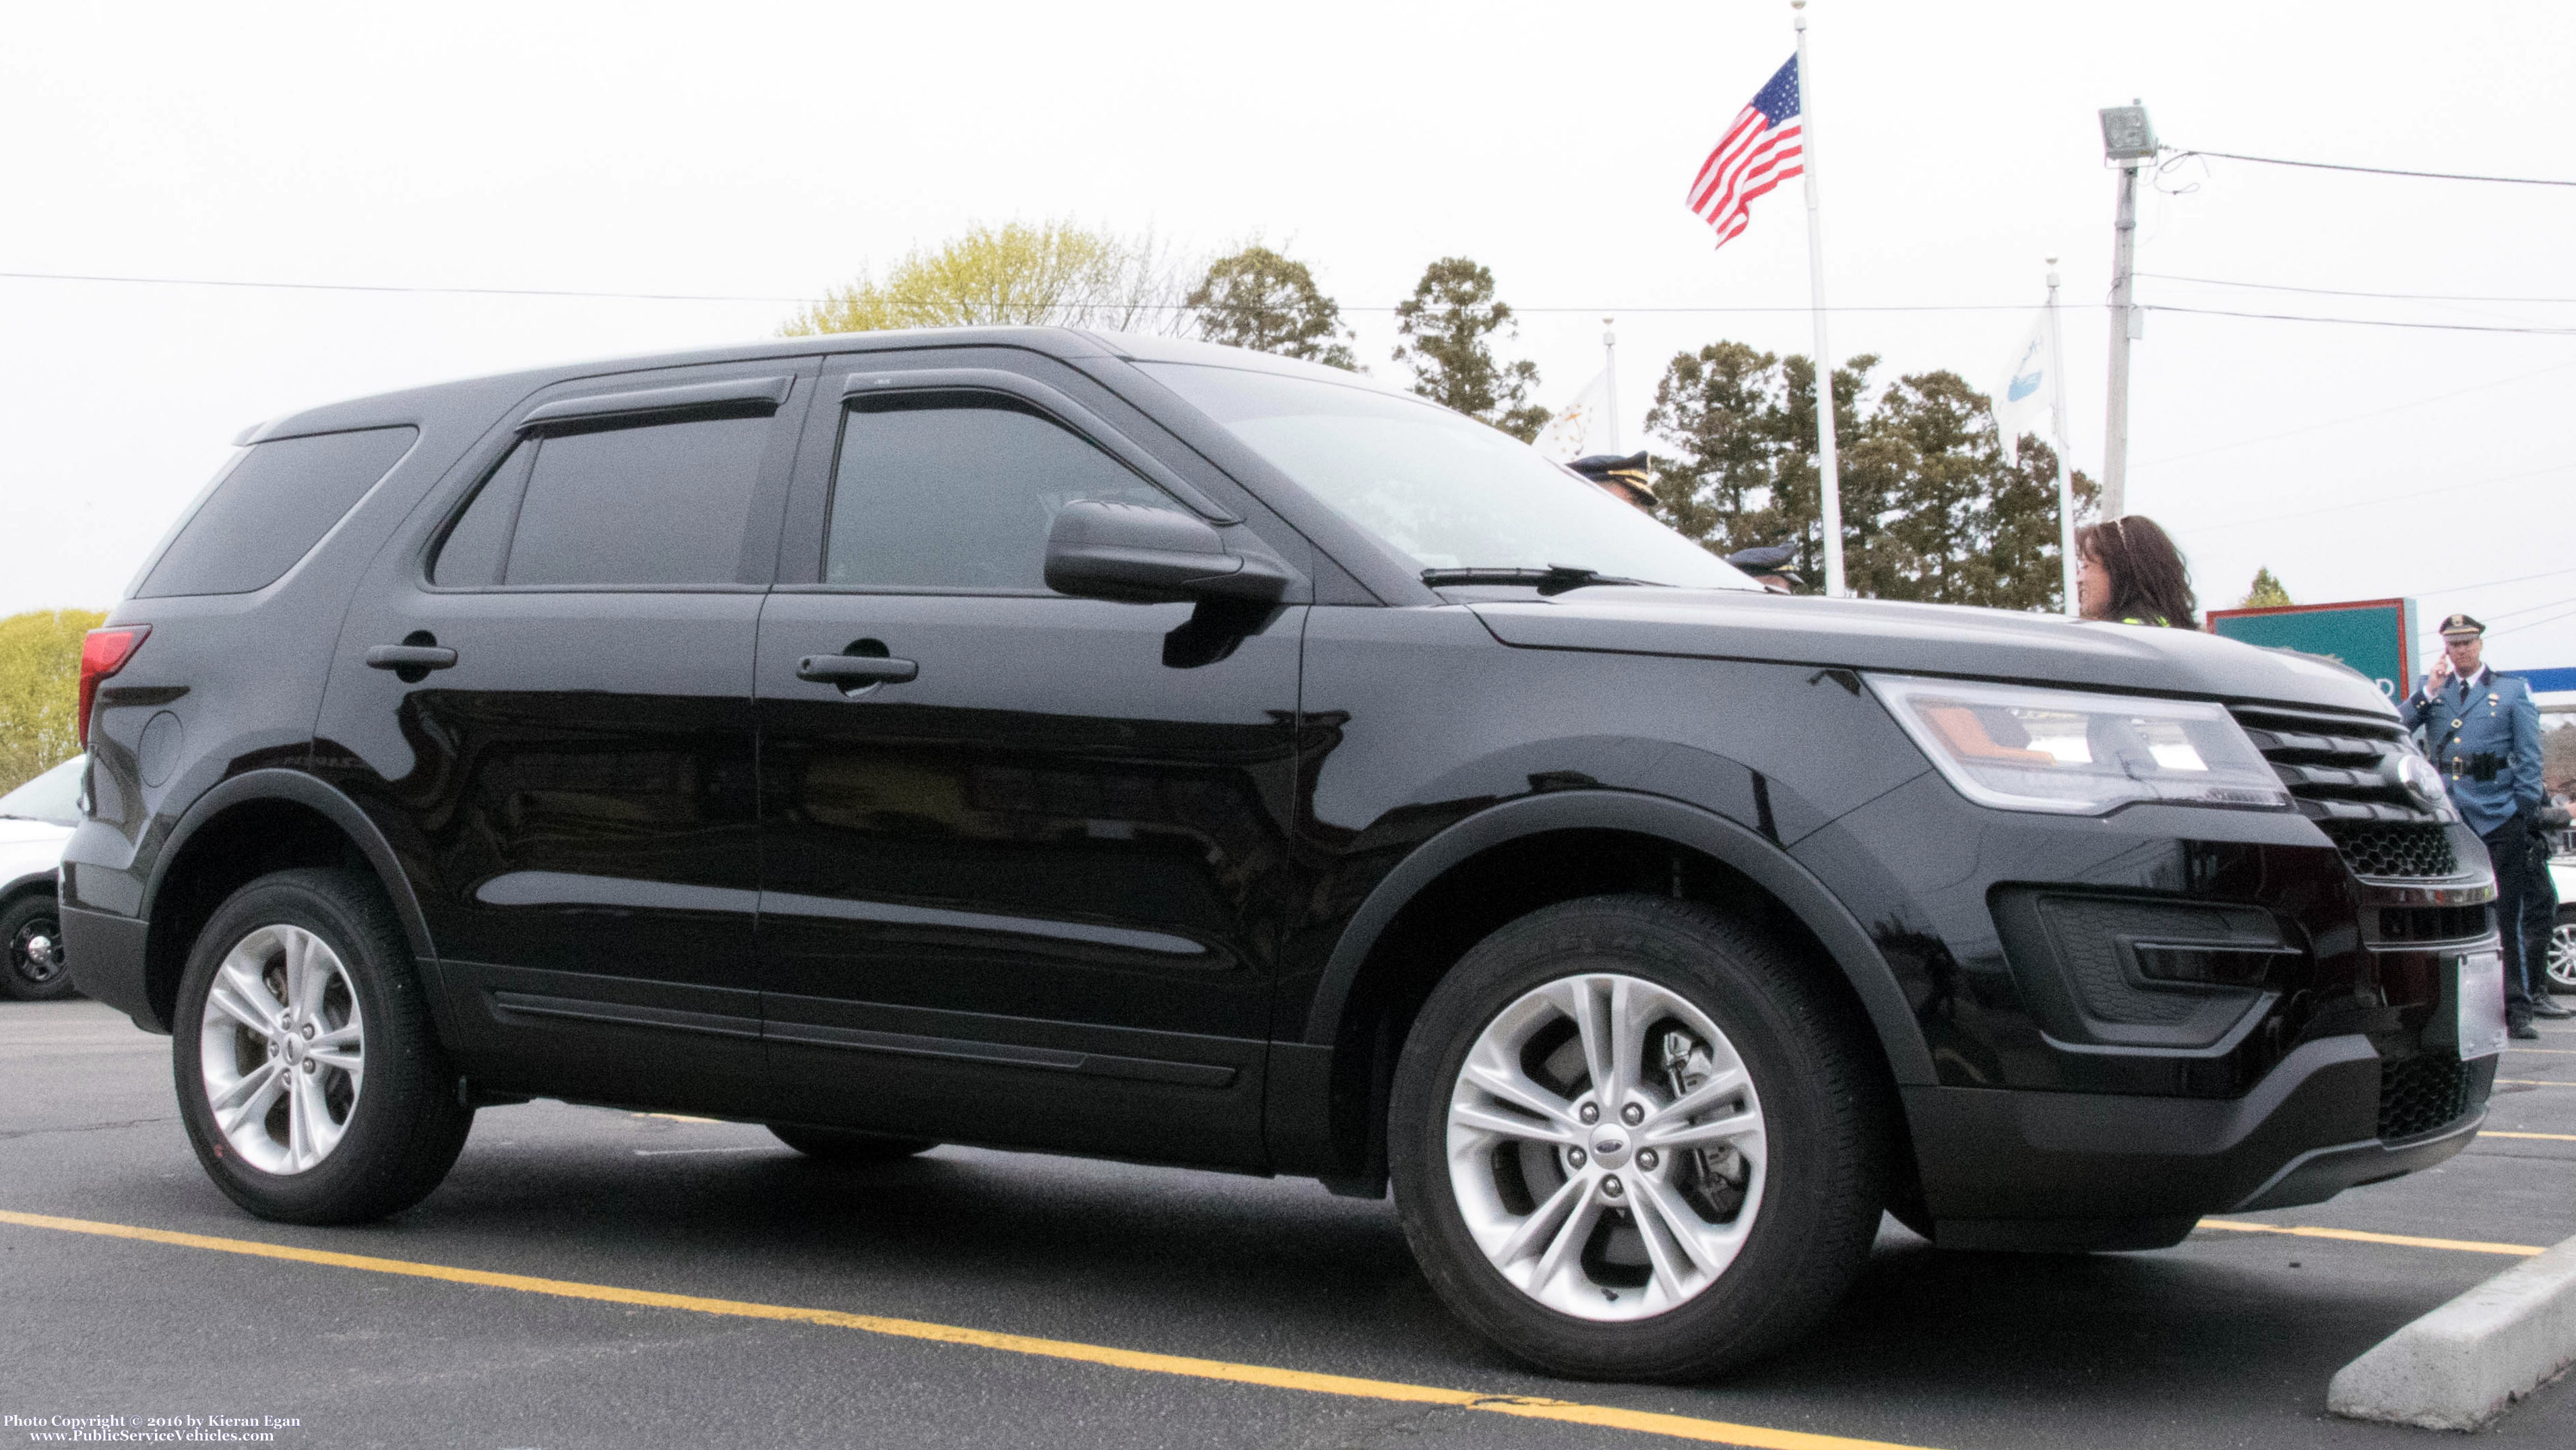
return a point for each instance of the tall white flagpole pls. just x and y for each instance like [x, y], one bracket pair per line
[1829, 478]
[2057, 441]
[1610, 370]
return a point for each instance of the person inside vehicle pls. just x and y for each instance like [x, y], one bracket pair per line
[2129, 572]
[1624, 479]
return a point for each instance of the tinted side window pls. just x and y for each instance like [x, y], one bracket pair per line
[957, 491]
[271, 509]
[665, 503]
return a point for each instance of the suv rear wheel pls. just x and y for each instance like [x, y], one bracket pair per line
[1632, 1140]
[312, 1088]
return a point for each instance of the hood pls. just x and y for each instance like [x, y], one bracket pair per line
[1928, 639]
[19, 833]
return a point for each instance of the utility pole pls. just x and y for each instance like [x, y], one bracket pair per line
[1610, 370]
[2130, 141]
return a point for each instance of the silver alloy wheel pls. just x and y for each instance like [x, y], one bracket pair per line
[1606, 1148]
[281, 1049]
[2562, 956]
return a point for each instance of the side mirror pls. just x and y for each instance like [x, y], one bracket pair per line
[1141, 555]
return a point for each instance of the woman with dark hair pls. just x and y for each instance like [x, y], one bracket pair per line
[2128, 570]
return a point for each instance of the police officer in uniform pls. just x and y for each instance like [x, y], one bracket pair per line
[2483, 730]
[1624, 479]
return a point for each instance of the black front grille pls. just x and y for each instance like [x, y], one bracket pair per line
[2388, 848]
[2342, 772]
[2418, 1095]
[2432, 923]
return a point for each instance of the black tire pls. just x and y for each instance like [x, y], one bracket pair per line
[1825, 1111]
[32, 927]
[842, 1145]
[403, 1127]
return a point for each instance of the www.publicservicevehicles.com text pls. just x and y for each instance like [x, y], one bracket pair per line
[149, 1429]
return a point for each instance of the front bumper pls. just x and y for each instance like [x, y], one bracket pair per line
[2057, 1170]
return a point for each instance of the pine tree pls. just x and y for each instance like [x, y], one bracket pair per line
[1258, 299]
[2265, 592]
[1445, 330]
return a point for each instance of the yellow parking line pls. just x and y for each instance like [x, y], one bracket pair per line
[2553, 1137]
[2465, 1246]
[1755, 1437]
[2534, 1082]
[2547, 1051]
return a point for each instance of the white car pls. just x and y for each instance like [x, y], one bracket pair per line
[35, 820]
[2562, 939]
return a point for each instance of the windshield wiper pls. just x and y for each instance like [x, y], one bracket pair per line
[1554, 579]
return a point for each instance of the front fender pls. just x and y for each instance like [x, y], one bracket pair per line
[1767, 865]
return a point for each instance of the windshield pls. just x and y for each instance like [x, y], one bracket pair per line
[1445, 489]
[53, 796]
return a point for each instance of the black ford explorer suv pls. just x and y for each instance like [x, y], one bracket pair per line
[1111, 746]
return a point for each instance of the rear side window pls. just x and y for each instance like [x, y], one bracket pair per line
[659, 504]
[958, 491]
[271, 508]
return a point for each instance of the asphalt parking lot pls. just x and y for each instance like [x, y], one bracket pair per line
[590, 1277]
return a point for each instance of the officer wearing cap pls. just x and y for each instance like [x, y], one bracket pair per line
[2483, 730]
[1621, 478]
[1769, 566]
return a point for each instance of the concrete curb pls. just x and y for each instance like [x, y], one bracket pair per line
[2461, 1365]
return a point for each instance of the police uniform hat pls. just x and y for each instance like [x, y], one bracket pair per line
[1765, 560]
[2460, 625]
[1623, 476]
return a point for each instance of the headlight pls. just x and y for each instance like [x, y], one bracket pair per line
[2023, 749]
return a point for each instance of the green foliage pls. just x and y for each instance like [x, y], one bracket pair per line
[1445, 332]
[1049, 274]
[2265, 592]
[40, 690]
[1256, 298]
[1932, 509]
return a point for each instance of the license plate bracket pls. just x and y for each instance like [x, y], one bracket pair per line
[2480, 996]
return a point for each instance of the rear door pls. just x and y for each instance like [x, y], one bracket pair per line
[1025, 888]
[545, 697]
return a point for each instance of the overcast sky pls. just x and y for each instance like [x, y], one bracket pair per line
[772, 151]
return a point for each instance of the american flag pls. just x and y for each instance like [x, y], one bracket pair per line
[1759, 151]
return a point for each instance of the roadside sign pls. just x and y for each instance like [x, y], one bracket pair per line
[2374, 636]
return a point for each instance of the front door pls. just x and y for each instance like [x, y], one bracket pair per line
[546, 701]
[1018, 888]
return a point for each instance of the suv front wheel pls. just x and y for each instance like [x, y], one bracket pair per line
[312, 1088]
[1632, 1140]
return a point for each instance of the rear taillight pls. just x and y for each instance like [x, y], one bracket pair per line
[103, 653]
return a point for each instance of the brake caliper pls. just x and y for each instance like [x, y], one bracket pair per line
[1711, 1180]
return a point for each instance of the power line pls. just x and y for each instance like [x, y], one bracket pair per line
[2493, 583]
[2375, 170]
[2368, 502]
[2354, 418]
[379, 287]
[2359, 321]
[2536, 623]
[1606, 308]
[2343, 292]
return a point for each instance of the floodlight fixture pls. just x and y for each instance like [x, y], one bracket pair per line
[2126, 136]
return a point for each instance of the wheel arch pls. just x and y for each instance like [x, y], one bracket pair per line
[245, 827]
[1386, 959]
[1839, 935]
